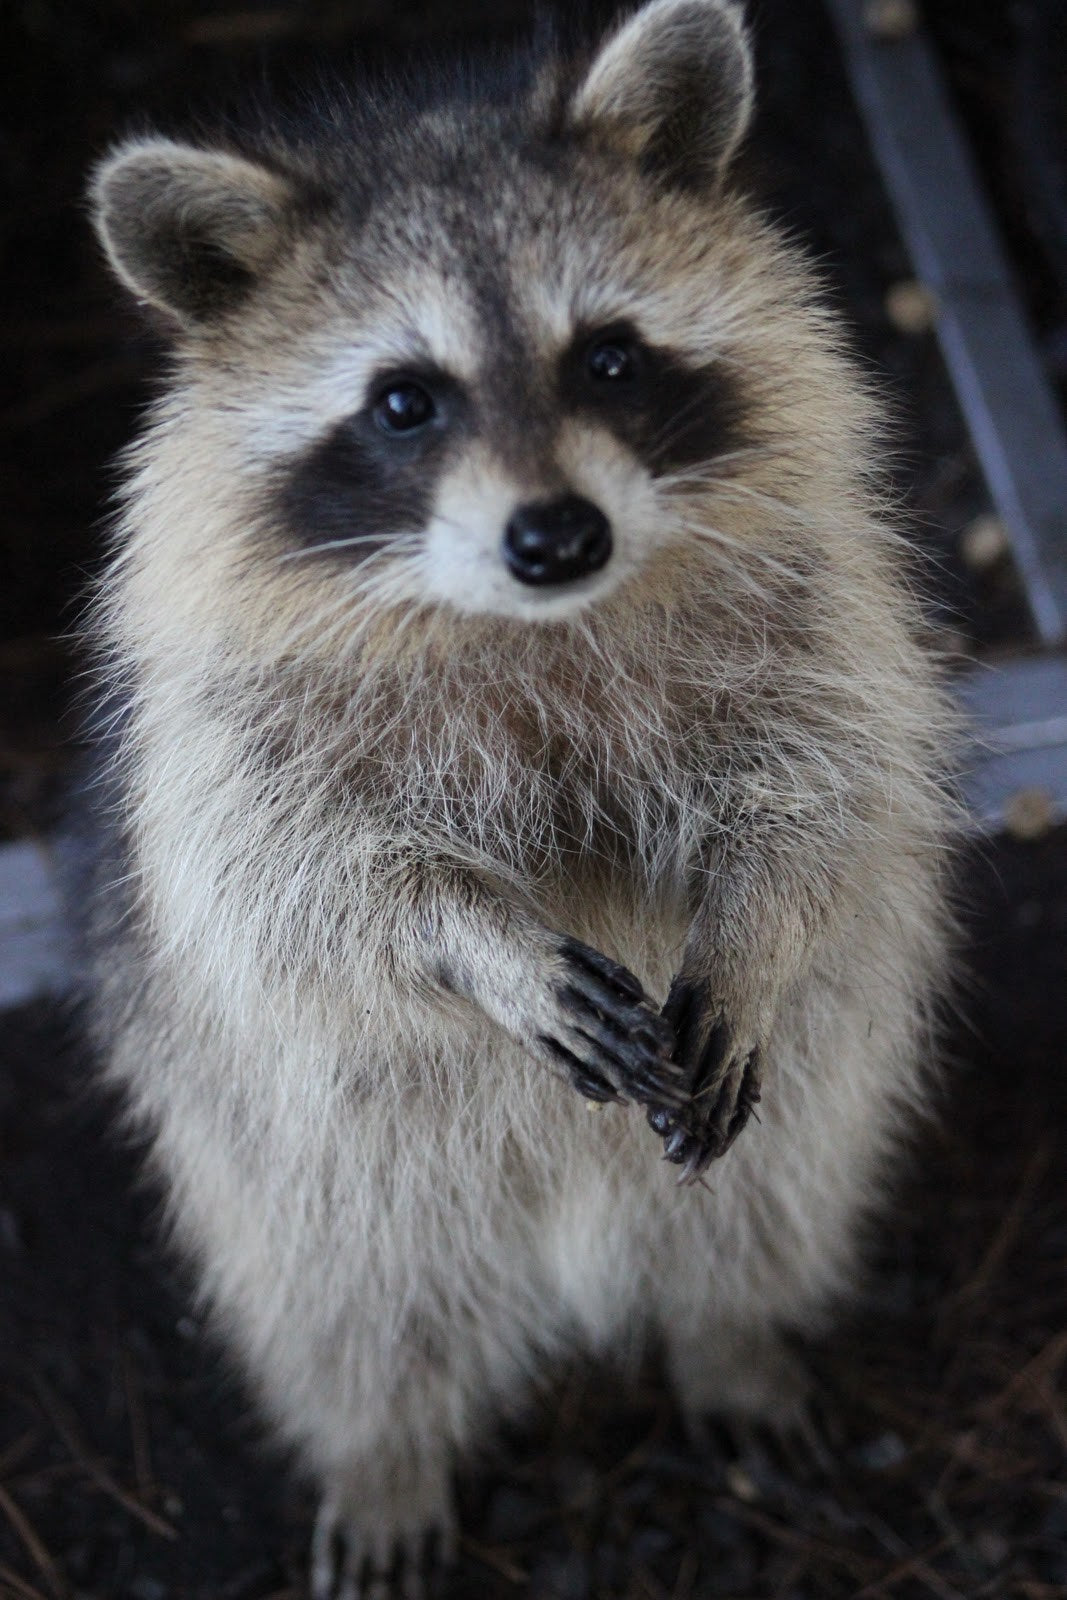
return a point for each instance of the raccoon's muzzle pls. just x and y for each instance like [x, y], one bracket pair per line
[557, 541]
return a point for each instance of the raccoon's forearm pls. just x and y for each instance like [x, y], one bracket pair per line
[570, 1006]
[454, 932]
[759, 915]
[754, 929]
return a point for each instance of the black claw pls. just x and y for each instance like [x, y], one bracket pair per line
[599, 1009]
[602, 966]
[624, 1060]
[422, 1557]
[585, 1078]
[713, 1056]
[653, 1030]
[679, 1004]
[748, 1097]
[700, 1160]
[594, 1087]
[666, 1094]
[699, 1126]
[676, 1145]
[561, 1053]
[615, 1031]
[616, 1044]
[660, 1120]
[684, 1010]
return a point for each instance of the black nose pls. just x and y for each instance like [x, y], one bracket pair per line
[557, 541]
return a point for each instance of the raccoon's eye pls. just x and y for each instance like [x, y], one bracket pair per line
[403, 407]
[611, 360]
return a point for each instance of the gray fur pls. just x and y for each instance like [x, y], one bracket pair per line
[184, 229]
[377, 818]
[686, 110]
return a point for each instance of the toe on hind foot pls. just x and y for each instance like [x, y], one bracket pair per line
[370, 1556]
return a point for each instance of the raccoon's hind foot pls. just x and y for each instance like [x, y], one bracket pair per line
[607, 1034]
[370, 1555]
[722, 1070]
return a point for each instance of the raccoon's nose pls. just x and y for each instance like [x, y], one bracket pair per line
[557, 541]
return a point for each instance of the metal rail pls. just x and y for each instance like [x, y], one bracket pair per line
[35, 958]
[1005, 396]
[1018, 714]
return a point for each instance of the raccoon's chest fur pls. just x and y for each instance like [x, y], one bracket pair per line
[614, 779]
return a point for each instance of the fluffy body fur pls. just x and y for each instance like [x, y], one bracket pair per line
[363, 800]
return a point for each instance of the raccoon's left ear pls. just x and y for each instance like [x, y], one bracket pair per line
[673, 88]
[185, 229]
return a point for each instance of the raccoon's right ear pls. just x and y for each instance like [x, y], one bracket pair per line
[187, 230]
[673, 88]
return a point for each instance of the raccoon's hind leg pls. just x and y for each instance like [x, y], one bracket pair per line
[737, 1372]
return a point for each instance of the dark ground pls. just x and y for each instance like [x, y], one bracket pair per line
[130, 1464]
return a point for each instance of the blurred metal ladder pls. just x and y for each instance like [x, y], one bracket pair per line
[1019, 708]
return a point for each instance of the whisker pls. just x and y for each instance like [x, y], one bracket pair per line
[334, 544]
[746, 553]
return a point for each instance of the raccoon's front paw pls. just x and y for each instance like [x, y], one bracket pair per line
[606, 1032]
[721, 1067]
[371, 1557]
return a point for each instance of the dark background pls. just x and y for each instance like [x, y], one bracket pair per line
[130, 1461]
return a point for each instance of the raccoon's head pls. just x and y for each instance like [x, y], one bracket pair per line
[475, 345]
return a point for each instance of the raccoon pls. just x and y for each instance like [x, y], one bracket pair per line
[515, 703]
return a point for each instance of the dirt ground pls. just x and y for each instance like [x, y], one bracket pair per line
[131, 1464]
